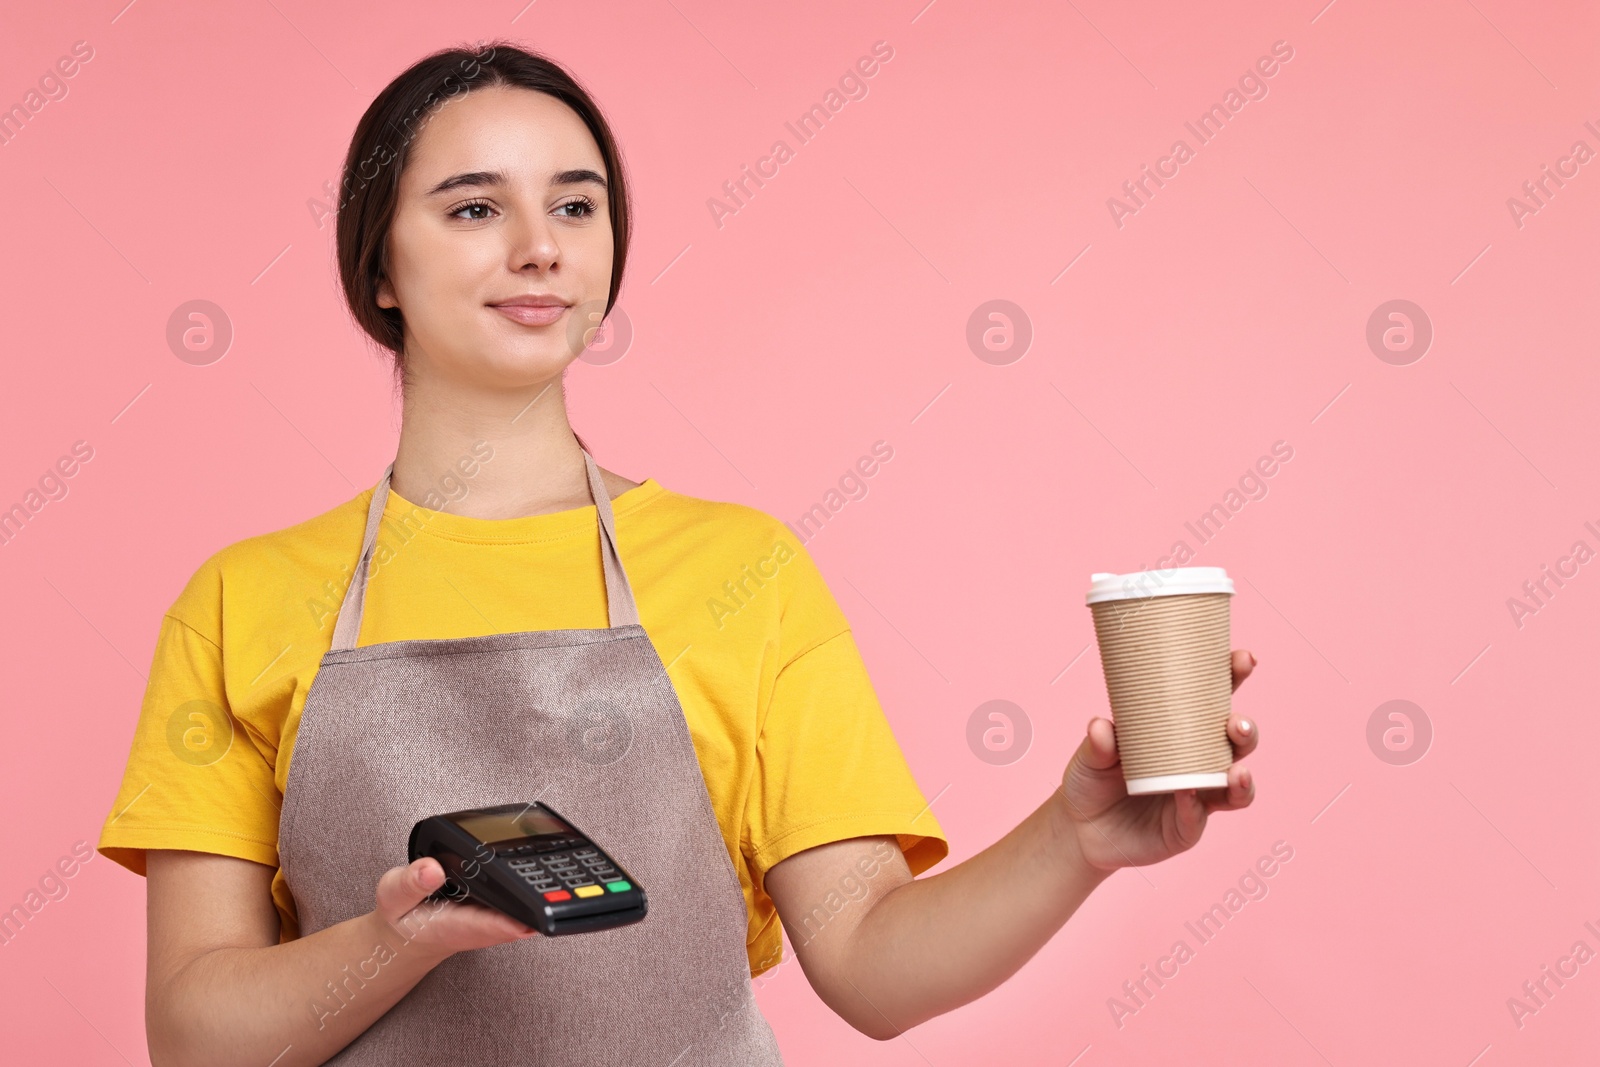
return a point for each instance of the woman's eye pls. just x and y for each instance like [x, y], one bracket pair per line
[585, 208]
[470, 207]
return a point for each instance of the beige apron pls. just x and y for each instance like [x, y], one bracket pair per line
[586, 720]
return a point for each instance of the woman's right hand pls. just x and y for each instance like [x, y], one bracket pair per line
[441, 928]
[222, 986]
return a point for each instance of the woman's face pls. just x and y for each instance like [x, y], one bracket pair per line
[504, 197]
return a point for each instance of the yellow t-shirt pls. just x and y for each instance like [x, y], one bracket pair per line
[794, 746]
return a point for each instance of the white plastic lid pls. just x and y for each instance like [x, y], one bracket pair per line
[1176, 581]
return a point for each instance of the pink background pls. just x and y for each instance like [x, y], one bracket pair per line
[831, 312]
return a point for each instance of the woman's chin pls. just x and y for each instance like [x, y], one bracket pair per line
[518, 370]
[493, 361]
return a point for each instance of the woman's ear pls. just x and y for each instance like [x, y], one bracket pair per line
[386, 294]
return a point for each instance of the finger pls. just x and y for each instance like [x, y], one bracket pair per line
[1240, 792]
[1190, 814]
[478, 912]
[1243, 662]
[511, 927]
[403, 888]
[1244, 733]
[1099, 749]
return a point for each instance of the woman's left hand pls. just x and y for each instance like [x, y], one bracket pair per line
[1116, 830]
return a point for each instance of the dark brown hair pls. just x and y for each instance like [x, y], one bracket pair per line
[370, 182]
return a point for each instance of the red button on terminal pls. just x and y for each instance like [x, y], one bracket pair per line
[558, 894]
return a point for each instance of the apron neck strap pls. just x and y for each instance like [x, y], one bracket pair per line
[620, 606]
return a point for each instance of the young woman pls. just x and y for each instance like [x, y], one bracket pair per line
[501, 621]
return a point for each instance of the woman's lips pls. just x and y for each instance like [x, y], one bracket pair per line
[531, 316]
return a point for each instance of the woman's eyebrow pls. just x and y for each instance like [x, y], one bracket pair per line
[488, 178]
[575, 177]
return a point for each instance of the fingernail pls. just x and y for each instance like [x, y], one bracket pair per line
[1252, 656]
[1245, 727]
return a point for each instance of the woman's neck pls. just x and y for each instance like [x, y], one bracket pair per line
[489, 455]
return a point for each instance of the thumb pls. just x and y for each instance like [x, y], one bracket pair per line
[403, 888]
[1189, 818]
[1099, 749]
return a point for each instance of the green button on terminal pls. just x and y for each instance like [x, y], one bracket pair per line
[619, 887]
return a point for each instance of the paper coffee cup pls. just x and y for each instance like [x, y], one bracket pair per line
[1165, 650]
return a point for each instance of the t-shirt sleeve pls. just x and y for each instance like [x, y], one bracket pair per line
[828, 766]
[194, 779]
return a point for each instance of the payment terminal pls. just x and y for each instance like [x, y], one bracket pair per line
[532, 864]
